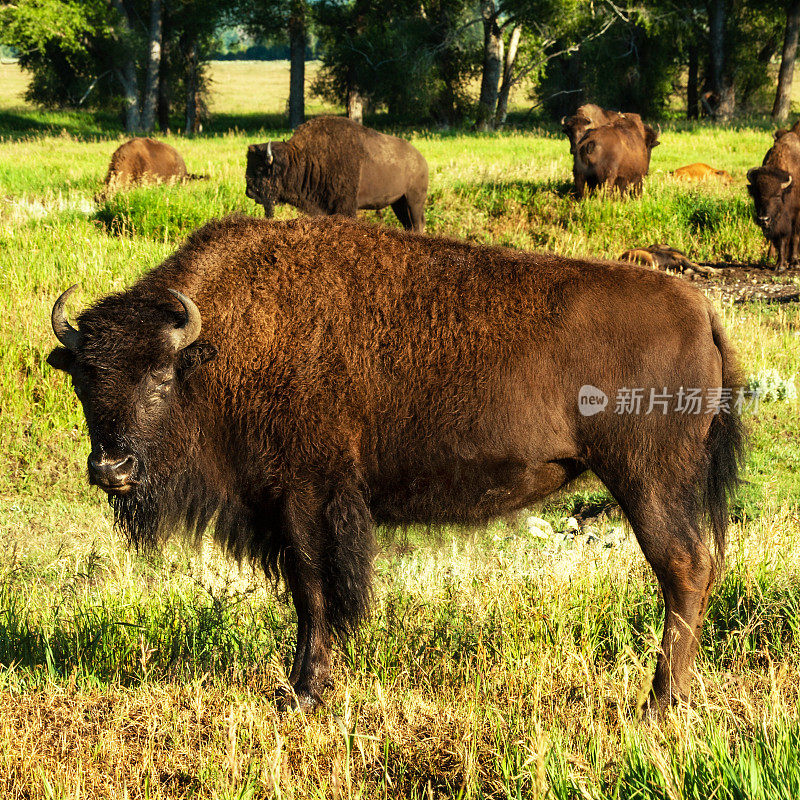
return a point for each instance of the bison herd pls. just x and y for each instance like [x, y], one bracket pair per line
[333, 166]
[291, 385]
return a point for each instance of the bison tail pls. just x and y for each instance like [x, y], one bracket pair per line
[349, 556]
[725, 446]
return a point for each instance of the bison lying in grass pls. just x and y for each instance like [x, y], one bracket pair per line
[332, 165]
[141, 161]
[294, 384]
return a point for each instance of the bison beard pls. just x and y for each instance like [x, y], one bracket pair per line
[346, 376]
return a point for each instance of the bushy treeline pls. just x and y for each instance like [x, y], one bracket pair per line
[446, 61]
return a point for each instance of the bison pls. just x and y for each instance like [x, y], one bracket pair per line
[701, 172]
[332, 165]
[615, 155]
[586, 118]
[142, 160]
[293, 384]
[775, 189]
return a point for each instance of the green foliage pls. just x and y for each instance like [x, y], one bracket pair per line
[414, 59]
[65, 44]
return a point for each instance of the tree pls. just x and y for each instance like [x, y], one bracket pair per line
[150, 102]
[414, 58]
[493, 48]
[297, 63]
[283, 19]
[783, 95]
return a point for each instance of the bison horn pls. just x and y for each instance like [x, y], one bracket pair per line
[750, 174]
[563, 120]
[190, 330]
[787, 184]
[65, 333]
[269, 153]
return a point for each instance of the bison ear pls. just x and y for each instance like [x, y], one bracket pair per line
[751, 173]
[61, 358]
[194, 356]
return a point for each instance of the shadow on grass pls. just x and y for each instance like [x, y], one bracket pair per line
[129, 639]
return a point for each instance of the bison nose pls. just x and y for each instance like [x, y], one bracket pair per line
[112, 476]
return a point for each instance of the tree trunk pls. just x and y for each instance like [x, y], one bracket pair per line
[492, 66]
[191, 83]
[164, 91]
[297, 70]
[355, 105]
[692, 110]
[721, 80]
[153, 67]
[126, 70]
[508, 81]
[783, 96]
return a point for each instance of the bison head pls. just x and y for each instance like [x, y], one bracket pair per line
[575, 127]
[128, 362]
[769, 187]
[264, 175]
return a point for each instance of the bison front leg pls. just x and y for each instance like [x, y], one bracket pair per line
[303, 568]
[329, 571]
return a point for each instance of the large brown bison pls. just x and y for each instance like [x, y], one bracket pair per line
[140, 161]
[333, 165]
[615, 155]
[775, 189]
[293, 384]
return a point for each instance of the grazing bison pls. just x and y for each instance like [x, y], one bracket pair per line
[332, 165]
[701, 172]
[141, 161]
[775, 189]
[615, 155]
[293, 384]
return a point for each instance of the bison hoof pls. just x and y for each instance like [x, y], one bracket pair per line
[289, 699]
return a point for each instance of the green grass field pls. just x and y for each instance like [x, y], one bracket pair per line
[498, 664]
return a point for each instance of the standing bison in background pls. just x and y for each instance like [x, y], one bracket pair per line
[332, 165]
[618, 151]
[587, 116]
[775, 189]
[616, 155]
[142, 160]
[292, 384]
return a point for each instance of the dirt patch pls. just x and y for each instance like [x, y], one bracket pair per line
[743, 283]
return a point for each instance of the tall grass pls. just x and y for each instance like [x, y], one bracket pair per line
[496, 664]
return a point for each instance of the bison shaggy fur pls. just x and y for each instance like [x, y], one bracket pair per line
[615, 155]
[141, 161]
[775, 189]
[293, 384]
[333, 165]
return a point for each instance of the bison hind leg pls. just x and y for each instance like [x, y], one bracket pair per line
[668, 523]
[402, 211]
